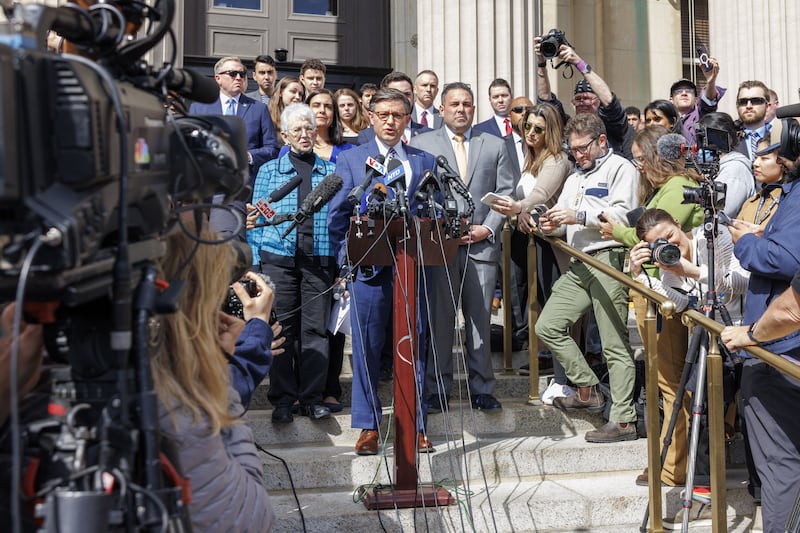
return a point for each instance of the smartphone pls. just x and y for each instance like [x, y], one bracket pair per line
[540, 209]
[724, 219]
[602, 217]
[702, 55]
[489, 198]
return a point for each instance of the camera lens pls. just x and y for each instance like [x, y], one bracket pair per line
[667, 254]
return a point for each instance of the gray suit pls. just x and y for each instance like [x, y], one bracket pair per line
[489, 169]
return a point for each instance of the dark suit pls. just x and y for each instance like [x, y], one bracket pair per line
[370, 292]
[489, 169]
[435, 119]
[489, 126]
[368, 134]
[261, 141]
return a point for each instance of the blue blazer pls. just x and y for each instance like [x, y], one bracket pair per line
[351, 166]
[366, 135]
[261, 141]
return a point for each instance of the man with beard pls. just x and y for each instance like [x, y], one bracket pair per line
[752, 101]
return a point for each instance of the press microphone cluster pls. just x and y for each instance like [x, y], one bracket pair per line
[396, 179]
[316, 200]
[263, 204]
[375, 167]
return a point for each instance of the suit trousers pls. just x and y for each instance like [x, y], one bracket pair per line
[575, 292]
[671, 345]
[471, 284]
[300, 372]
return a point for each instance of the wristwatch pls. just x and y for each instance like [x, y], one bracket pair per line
[580, 217]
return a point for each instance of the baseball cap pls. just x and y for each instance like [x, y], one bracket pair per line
[583, 86]
[683, 82]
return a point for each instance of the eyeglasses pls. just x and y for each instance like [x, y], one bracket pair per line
[234, 73]
[757, 100]
[299, 130]
[528, 126]
[683, 90]
[586, 100]
[638, 162]
[581, 149]
[386, 115]
[521, 109]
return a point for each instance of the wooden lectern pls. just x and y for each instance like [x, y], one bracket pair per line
[422, 241]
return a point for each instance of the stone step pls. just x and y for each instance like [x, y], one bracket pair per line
[602, 503]
[490, 458]
[516, 418]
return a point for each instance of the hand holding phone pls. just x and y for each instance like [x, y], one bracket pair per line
[724, 219]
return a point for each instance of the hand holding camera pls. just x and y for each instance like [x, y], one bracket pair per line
[256, 296]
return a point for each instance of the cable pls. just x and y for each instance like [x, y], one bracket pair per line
[291, 482]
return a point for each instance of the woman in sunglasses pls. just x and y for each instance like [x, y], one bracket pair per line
[544, 171]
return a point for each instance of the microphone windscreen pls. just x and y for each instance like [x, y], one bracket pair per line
[670, 146]
[322, 193]
[788, 111]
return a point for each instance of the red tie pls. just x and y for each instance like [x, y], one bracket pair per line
[508, 126]
[424, 119]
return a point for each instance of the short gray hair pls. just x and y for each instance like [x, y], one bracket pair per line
[295, 112]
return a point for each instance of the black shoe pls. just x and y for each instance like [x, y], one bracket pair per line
[437, 403]
[485, 402]
[282, 414]
[315, 411]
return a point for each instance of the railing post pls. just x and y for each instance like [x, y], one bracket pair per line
[716, 436]
[653, 425]
[508, 320]
[533, 316]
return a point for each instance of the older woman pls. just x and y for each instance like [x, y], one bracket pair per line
[543, 174]
[288, 91]
[351, 114]
[303, 269]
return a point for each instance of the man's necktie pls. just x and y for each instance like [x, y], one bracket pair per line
[231, 109]
[461, 156]
[754, 138]
[391, 154]
[423, 119]
[507, 122]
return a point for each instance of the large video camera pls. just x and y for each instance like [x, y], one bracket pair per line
[96, 165]
[711, 143]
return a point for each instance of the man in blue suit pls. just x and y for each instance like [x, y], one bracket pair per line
[500, 97]
[231, 76]
[371, 289]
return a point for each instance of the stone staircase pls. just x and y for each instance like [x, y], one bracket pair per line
[525, 468]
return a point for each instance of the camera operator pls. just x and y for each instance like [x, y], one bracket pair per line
[592, 95]
[199, 408]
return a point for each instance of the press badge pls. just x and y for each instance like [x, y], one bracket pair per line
[577, 202]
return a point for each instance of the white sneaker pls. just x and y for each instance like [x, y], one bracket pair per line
[554, 390]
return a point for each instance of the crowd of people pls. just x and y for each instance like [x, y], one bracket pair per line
[609, 180]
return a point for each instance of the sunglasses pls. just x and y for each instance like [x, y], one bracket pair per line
[536, 129]
[521, 109]
[758, 100]
[234, 73]
[683, 90]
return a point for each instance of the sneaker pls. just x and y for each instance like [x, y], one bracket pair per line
[699, 516]
[554, 390]
[594, 404]
[525, 370]
[613, 432]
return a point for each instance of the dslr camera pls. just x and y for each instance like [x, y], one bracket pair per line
[551, 43]
[664, 252]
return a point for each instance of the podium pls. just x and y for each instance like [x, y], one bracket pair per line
[397, 243]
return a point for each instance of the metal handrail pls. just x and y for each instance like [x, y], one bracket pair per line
[714, 373]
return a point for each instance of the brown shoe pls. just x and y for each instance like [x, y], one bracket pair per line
[612, 432]
[367, 443]
[594, 404]
[425, 445]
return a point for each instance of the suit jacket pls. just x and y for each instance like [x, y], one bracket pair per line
[489, 126]
[489, 169]
[434, 122]
[511, 147]
[368, 134]
[255, 95]
[261, 141]
[351, 166]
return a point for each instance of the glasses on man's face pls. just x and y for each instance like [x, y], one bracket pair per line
[683, 90]
[585, 100]
[521, 109]
[576, 150]
[234, 73]
[528, 126]
[386, 115]
[754, 101]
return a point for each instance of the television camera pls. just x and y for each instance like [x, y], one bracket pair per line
[97, 163]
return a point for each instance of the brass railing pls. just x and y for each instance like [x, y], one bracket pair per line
[667, 308]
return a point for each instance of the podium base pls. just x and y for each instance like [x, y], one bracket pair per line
[426, 495]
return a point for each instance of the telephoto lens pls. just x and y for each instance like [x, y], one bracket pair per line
[664, 252]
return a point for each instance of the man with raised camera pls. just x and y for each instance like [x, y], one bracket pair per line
[604, 185]
[592, 93]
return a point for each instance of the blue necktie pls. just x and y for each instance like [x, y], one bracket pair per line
[231, 110]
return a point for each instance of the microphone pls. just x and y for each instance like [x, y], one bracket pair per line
[378, 194]
[316, 200]
[396, 179]
[280, 193]
[671, 145]
[788, 111]
[193, 85]
[374, 168]
[443, 164]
